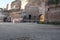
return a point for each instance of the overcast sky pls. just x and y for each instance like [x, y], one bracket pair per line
[3, 3]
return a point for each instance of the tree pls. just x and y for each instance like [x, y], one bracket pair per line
[56, 2]
[53, 1]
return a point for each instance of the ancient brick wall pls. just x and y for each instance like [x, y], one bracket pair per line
[53, 15]
[16, 4]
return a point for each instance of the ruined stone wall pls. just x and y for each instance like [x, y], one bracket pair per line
[16, 4]
[35, 7]
[53, 15]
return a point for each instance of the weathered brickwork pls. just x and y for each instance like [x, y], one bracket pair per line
[53, 14]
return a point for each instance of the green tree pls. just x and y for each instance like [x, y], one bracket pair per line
[55, 2]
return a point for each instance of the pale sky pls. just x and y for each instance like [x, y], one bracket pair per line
[3, 3]
[24, 2]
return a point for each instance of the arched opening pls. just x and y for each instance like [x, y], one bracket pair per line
[41, 18]
[30, 16]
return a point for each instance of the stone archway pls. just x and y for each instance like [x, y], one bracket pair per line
[29, 16]
[41, 18]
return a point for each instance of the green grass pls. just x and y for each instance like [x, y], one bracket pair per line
[54, 23]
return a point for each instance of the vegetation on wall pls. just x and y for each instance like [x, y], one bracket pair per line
[53, 2]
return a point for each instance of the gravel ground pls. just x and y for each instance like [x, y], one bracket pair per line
[29, 31]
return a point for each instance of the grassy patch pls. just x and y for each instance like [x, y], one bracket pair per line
[54, 23]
